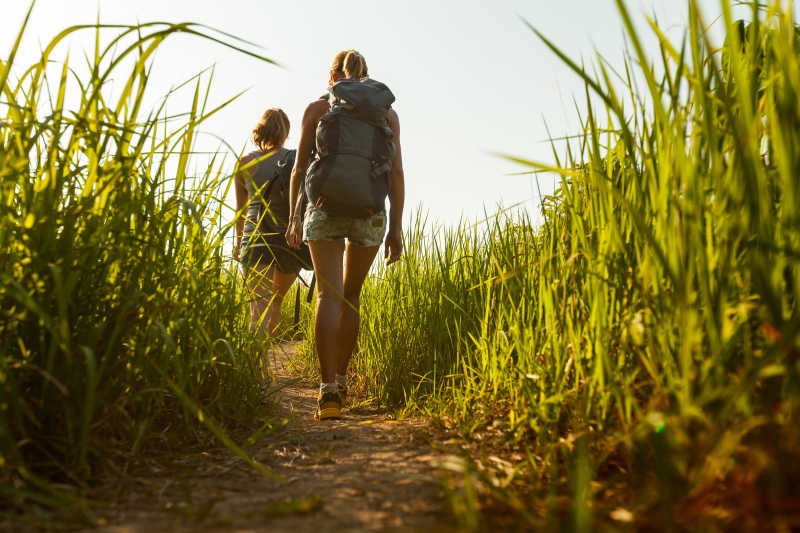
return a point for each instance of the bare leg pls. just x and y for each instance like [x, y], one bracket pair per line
[327, 259]
[280, 286]
[357, 262]
[259, 280]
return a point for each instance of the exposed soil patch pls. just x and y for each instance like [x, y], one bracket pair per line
[365, 472]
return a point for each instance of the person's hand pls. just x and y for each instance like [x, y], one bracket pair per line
[394, 246]
[294, 233]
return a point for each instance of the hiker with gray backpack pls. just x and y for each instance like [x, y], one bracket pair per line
[348, 162]
[262, 187]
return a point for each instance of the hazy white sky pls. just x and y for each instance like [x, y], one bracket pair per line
[470, 78]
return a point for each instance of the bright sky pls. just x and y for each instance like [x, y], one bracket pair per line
[470, 78]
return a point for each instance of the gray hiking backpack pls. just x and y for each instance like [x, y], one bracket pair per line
[269, 193]
[351, 170]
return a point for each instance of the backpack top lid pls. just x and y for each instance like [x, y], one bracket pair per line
[367, 97]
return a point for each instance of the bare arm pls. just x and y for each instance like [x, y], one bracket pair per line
[241, 199]
[397, 193]
[308, 132]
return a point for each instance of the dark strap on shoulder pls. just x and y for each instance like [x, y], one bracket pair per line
[274, 179]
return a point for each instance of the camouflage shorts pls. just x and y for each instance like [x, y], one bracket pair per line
[319, 226]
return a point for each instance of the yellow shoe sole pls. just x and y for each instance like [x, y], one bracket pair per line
[328, 412]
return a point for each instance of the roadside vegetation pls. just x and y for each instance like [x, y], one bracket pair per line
[123, 328]
[633, 360]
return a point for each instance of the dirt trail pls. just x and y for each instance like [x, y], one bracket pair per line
[362, 473]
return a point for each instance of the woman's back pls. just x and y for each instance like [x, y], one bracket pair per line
[262, 192]
[356, 137]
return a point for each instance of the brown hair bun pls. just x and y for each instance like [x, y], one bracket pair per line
[272, 130]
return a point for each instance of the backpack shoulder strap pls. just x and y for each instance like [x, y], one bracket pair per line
[286, 161]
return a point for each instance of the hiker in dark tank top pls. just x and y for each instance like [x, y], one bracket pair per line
[348, 161]
[262, 186]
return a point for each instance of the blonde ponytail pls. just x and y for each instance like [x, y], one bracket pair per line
[355, 66]
[349, 64]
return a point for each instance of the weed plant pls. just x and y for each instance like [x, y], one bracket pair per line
[123, 327]
[638, 354]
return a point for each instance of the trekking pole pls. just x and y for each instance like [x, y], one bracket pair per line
[297, 308]
[310, 288]
[297, 297]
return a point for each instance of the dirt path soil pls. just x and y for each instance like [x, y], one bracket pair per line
[365, 472]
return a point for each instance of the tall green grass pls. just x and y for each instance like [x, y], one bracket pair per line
[640, 347]
[123, 327]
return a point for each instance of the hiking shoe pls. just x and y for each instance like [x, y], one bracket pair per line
[343, 393]
[329, 406]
